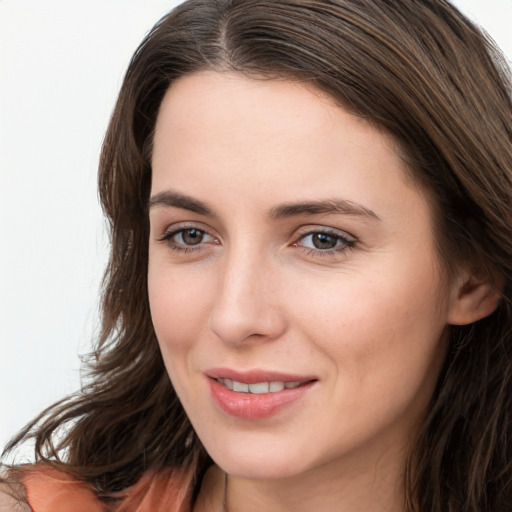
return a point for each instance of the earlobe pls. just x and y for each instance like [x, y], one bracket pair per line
[475, 298]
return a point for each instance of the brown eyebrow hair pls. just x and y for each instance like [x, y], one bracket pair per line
[341, 206]
[176, 200]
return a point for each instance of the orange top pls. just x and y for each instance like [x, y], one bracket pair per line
[50, 490]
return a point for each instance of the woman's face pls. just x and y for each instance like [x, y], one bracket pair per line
[294, 284]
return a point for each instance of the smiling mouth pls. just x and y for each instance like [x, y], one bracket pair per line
[257, 394]
[259, 388]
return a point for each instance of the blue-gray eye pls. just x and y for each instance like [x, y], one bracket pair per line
[323, 241]
[190, 236]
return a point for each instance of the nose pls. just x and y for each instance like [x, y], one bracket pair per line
[246, 305]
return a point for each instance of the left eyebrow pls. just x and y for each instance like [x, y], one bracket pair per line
[330, 206]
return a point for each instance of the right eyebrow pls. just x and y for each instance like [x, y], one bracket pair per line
[175, 200]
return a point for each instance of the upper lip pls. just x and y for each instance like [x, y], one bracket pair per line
[257, 375]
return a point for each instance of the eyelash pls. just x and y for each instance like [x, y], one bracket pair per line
[346, 243]
[183, 248]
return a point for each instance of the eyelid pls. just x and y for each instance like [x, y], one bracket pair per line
[176, 227]
[171, 231]
[347, 241]
[312, 229]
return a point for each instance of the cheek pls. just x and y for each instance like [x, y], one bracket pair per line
[382, 329]
[180, 306]
[380, 338]
[176, 313]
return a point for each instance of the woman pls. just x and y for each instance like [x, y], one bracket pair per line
[307, 300]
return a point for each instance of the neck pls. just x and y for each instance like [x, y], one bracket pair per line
[358, 486]
[350, 494]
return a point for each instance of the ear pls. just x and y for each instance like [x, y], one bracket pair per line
[475, 296]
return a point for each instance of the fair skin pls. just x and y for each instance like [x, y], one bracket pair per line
[287, 238]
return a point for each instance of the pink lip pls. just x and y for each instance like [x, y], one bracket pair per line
[254, 376]
[255, 406]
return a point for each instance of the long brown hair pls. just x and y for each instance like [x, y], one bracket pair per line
[420, 71]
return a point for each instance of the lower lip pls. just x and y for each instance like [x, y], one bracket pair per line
[250, 406]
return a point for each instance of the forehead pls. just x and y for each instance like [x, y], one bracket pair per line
[225, 93]
[271, 142]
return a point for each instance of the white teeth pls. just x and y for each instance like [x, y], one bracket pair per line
[257, 388]
[276, 386]
[240, 387]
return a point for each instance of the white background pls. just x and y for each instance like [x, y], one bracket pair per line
[61, 65]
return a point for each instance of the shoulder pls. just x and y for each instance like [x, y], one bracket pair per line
[11, 498]
[50, 490]
[44, 488]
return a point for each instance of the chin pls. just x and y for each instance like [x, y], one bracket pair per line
[253, 461]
